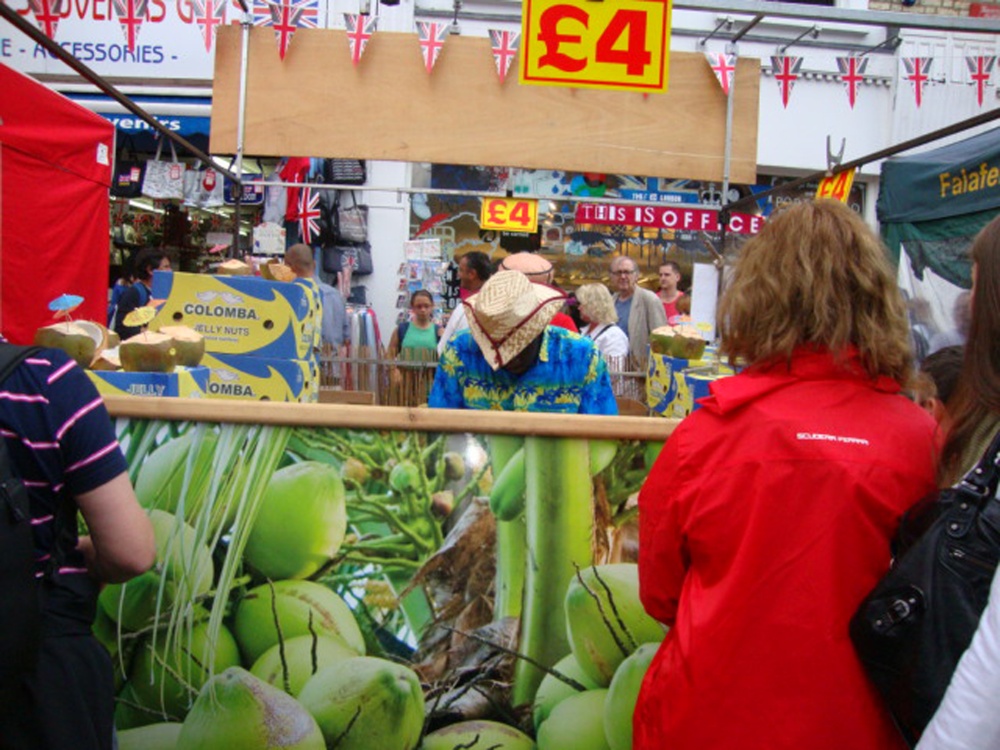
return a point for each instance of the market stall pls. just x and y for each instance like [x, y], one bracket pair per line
[55, 170]
[429, 541]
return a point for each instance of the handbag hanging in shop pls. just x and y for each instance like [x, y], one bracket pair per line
[129, 171]
[361, 259]
[332, 259]
[352, 221]
[344, 172]
[912, 629]
[164, 180]
[203, 188]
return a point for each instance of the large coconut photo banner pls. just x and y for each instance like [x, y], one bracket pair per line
[320, 587]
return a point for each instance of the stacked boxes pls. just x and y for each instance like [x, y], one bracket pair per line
[183, 382]
[261, 337]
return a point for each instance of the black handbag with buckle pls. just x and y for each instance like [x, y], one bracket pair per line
[914, 626]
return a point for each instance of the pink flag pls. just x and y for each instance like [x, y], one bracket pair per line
[46, 15]
[852, 73]
[786, 73]
[432, 36]
[209, 15]
[359, 33]
[918, 70]
[131, 14]
[724, 67]
[980, 70]
[504, 50]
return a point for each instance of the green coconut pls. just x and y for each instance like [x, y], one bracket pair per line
[552, 690]
[148, 351]
[602, 635]
[623, 694]
[129, 713]
[302, 607]
[477, 734]
[365, 703]
[237, 710]
[682, 341]
[183, 568]
[179, 468]
[577, 723]
[298, 659]
[188, 344]
[162, 736]
[301, 522]
[82, 340]
[168, 679]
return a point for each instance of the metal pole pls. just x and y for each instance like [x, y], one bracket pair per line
[241, 125]
[10, 15]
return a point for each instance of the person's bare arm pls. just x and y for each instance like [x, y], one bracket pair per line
[121, 544]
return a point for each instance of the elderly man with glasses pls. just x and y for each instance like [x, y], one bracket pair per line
[639, 310]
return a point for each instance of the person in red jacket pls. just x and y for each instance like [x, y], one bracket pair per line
[767, 516]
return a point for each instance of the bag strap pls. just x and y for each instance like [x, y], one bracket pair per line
[159, 148]
[981, 480]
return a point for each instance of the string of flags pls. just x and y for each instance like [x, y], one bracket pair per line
[287, 16]
[851, 72]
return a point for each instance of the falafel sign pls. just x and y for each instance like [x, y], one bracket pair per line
[623, 45]
[666, 217]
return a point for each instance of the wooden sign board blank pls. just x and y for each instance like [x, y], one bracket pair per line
[316, 103]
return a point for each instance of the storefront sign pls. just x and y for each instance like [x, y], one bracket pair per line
[622, 45]
[512, 214]
[666, 217]
[837, 187]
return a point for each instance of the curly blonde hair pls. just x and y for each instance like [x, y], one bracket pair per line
[596, 300]
[816, 274]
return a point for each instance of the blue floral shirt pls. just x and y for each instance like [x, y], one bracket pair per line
[570, 377]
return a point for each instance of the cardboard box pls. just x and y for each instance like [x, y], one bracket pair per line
[673, 386]
[239, 376]
[183, 382]
[241, 314]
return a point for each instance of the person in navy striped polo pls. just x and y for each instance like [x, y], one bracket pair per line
[62, 445]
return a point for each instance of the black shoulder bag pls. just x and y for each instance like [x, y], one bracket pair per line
[912, 629]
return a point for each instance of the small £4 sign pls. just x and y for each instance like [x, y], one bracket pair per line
[510, 214]
[837, 186]
[622, 45]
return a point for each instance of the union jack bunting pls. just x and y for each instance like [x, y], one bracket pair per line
[260, 12]
[504, 50]
[432, 36]
[724, 67]
[309, 215]
[980, 70]
[46, 15]
[359, 32]
[287, 17]
[852, 73]
[131, 14]
[918, 72]
[209, 15]
[786, 73]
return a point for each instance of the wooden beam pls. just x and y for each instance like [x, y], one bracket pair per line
[316, 103]
[391, 418]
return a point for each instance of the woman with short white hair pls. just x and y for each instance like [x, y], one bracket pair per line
[597, 310]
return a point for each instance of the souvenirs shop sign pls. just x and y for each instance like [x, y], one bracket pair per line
[666, 217]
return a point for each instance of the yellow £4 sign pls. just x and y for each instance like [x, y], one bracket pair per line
[837, 187]
[510, 214]
[623, 44]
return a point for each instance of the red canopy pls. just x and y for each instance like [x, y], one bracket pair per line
[55, 171]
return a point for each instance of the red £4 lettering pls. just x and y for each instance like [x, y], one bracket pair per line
[635, 57]
[549, 35]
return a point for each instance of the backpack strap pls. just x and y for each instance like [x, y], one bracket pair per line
[401, 330]
[11, 356]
